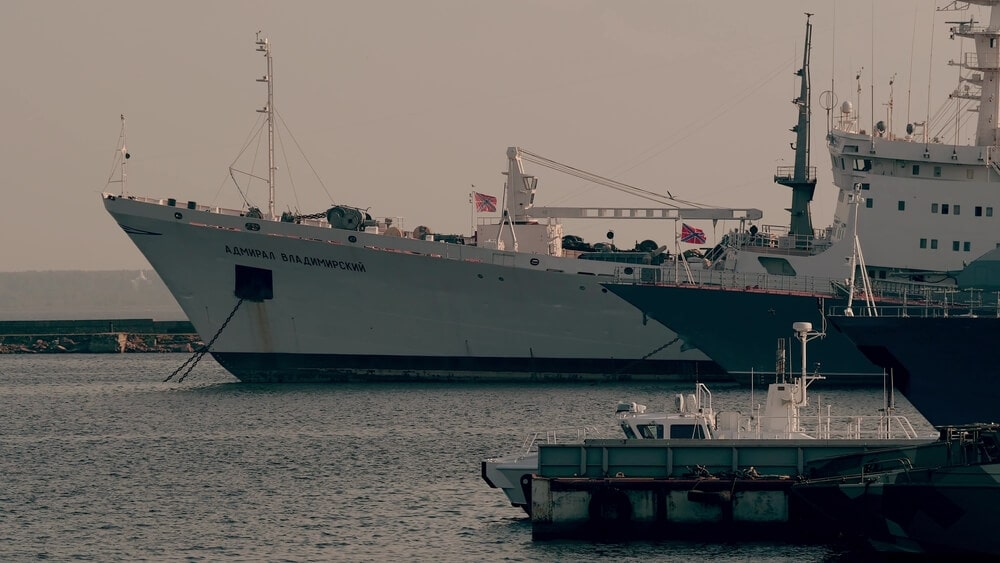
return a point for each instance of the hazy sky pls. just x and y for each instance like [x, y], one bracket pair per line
[400, 106]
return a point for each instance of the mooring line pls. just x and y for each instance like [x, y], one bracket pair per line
[193, 360]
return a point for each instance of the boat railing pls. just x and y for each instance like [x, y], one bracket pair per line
[827, 427]
[559, 436]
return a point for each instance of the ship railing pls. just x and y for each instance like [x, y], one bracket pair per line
[970, 28]
[787, 174]
[973, 61]
[726, 280]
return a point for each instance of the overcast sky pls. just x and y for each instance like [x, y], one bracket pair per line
[401, 106]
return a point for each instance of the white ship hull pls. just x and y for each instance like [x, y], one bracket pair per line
[351, 305]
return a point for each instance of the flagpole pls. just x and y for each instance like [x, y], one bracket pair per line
[472, 213]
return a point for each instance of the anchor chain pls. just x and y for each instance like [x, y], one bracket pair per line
[193, 360]
[660, 348]
[654, 351]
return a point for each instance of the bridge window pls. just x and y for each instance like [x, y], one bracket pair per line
[862, 164]
[956, 209]
[933, 244]
[967, 246]
[916, 169]
[937, 171]
[979, 211]
[869, 202]
[686, 432]
[944, 209]
[923, 243]
[902, 206]
[955, 245]
[934, 208]
[989, 211]
[652, 431]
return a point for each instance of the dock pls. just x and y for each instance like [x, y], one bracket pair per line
[933, 495]
[97, 336]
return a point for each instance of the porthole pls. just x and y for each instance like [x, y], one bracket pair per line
[178, 215]
[352, 238]
[629, 271]
[252, 227]
[533, 261]
[480, 276]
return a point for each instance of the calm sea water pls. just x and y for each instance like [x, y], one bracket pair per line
[101, 460]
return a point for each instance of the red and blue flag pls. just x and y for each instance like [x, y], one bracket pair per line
[485, 203]
[692, 235]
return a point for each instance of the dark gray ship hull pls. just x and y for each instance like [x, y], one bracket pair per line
[945, 366]
[740, 329]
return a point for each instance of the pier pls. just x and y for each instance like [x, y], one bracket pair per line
[98, 336]
[933, 496]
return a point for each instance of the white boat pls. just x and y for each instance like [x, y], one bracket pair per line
[780, 417]
[342, 295]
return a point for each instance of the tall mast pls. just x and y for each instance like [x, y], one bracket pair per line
[264, 46]
[125, 155]
[986, 70]
[801, 178]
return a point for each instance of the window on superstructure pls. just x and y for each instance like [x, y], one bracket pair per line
[842, 165]
[902, 206]
[955, 245]
[967, 246]
[933, 244]
[916, 169]
[956, 209]
[934, 208]
[970, 173]
[923, 243]
[869, 202]
[866, 186]
[993, 42]
[944, 209]
[989, 211]
[937, 171]
[862, 164]
[979, 211]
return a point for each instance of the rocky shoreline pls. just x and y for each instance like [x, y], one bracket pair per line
[99, 343]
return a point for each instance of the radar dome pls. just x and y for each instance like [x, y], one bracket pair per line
[802, 327]
[846, 107]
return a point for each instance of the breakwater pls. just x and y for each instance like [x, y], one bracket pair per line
[100, 336]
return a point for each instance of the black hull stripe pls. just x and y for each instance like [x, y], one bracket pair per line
[324, 368]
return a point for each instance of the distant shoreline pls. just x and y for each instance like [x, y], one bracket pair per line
[104, 336]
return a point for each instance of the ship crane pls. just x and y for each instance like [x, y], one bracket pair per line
[520, 197]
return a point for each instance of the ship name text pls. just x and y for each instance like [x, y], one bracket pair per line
[295, 258]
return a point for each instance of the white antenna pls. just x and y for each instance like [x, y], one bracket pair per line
[264, 46]
[124, 155]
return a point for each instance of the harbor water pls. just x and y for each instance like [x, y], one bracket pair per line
[102, 460]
